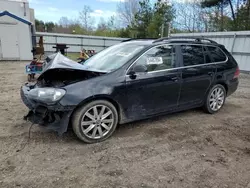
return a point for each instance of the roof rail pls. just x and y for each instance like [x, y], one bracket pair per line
[126, 40]
[161, 39]
[131, 39]
[196, 39]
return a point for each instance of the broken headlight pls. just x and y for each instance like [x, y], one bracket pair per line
[47, 95]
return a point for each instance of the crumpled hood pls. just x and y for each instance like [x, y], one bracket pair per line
[60, 71]
[59, 61]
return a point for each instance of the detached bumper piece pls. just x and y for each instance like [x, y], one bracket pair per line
[56, 121]
[53, 117]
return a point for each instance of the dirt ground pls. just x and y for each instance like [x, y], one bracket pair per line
[187, 149]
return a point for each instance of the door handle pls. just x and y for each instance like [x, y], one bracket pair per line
[175, 79]
[210, 73]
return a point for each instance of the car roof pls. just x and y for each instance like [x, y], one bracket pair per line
[166, 40]
[143, 42]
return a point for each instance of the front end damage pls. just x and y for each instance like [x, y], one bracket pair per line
[54, 117]
[44, 97]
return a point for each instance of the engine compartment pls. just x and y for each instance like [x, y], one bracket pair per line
[63, 77]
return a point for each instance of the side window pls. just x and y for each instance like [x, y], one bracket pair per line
[192, 55]
[158, 58]
[207, 57]
[217, 54]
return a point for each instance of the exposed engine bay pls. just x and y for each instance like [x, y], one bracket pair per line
[60, 71]
[62, 77]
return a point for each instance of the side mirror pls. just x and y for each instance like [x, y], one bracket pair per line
[137, 69]
[132, 74]
[140, 68]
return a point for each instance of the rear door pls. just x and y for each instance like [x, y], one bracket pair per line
[197, 74]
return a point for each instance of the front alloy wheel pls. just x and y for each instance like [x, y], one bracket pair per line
[95, 121]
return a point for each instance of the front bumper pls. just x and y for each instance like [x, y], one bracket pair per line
[54, 117]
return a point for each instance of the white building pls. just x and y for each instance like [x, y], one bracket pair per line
[16, 20]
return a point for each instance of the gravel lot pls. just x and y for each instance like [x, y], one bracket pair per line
[186, 149]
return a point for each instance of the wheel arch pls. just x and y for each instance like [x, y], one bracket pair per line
[205, 103]
[224, 84]
[100, 97]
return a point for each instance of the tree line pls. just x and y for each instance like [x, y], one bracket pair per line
[142, 19]
[213, 15]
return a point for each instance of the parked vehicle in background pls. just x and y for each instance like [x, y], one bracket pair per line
[133, 80]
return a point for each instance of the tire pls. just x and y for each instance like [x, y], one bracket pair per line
[91, 125]
[213, 107]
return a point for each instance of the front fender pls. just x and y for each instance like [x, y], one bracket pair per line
[78, 92]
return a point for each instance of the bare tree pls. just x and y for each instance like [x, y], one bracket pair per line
[112, 23]
[127, 10]
[190, 16]
[85, 18]
[64, 22]
[102, 25]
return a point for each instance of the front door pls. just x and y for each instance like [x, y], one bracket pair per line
[157, 89]
[197, 74]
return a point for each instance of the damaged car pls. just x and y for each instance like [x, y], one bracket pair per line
[133, 80]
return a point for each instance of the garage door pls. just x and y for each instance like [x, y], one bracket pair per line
[9, 49]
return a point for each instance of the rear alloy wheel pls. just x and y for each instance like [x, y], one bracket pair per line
[95, 121]
[215, 99]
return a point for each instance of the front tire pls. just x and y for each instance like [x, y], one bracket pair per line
[95, 122]
[215, 99]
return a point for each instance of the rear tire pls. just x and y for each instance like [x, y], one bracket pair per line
[95, 122]
[215, 99]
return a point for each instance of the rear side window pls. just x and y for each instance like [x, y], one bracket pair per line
[217, 54]
[192, 55]
[207, 57]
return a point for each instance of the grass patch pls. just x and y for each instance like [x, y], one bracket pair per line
[73, 56]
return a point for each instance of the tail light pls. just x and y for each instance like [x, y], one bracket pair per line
[237, 73]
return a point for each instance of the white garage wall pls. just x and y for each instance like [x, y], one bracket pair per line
[9, 42]
[16, 7]
[23, 41]
[21, 9]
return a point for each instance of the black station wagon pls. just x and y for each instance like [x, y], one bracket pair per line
[133, 80]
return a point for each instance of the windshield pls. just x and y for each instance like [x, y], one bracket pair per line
[113, 57]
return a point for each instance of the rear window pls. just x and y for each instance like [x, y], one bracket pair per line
[192, 55]
[217, 54]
